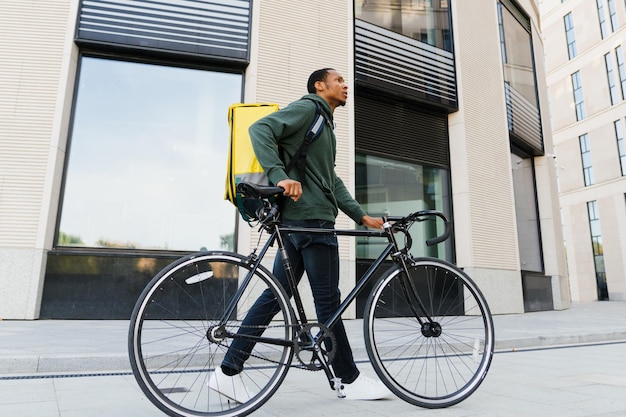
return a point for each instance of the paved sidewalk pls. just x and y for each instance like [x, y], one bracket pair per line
[62, 346]
[574, 381]
[52, 368]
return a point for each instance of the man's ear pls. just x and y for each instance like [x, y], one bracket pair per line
[320, 86]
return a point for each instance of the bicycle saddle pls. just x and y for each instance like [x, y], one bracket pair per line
[248, 189]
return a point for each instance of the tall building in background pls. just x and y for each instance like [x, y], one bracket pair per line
[586, 44]
[113, 138]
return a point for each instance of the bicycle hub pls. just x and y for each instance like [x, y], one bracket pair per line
[216, 334]
[431, 329]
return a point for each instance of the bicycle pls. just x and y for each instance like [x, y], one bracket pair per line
[428, 330]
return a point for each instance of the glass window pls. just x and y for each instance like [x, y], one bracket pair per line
[517, 56]
[427, 21]
[613, 15]
[621, 148]
[147, 160]
[578, 96]
[585, 153]
[569, 35]
[509, 105]
[608, 63]
[505, 59]
[621, 69]
[526, 213]
[598, 251]
[389, 187]
[604, 30]
[520, 83]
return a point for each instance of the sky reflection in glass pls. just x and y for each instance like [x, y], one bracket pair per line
[148, 157]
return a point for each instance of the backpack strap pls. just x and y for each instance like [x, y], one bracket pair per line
[311, 135]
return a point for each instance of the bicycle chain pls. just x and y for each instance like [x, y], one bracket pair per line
[302, 365]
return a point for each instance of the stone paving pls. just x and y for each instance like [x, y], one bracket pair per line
[558, 363]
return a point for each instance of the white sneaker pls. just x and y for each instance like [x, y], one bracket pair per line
[364, 388]
[231, 387]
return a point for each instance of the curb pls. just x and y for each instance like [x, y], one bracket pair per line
[42, 364]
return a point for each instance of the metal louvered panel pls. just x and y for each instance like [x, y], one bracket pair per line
[390, 61]
[524, 120]
[399, 130]
[217, 29]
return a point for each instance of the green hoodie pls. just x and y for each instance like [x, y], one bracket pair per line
[323, 193]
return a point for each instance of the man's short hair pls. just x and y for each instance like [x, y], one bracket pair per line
[319, 75]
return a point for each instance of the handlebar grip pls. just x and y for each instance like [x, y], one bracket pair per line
[418, 216]
[446, 222]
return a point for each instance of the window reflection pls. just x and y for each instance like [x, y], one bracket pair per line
[427, 21]
[147, 159]
[528, 237]
[598, 251]
[520, 86]
[517, 57]
[397, 188]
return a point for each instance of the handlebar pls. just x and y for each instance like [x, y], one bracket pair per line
[400, 222]
[420, 216]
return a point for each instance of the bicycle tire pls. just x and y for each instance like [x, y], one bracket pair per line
[421, 368]
[171, 354]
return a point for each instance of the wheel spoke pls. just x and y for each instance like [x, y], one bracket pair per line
[444, 361]
[172, 348]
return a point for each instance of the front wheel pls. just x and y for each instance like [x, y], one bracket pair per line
[179, 334]
[429, 335]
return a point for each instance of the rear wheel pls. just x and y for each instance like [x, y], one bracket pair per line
[439, 362]
[176, 341]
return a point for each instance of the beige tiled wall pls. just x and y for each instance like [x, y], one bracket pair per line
[37, 71]
[609, 189]
[290, 41]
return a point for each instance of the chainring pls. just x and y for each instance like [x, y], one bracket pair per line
[312, 342]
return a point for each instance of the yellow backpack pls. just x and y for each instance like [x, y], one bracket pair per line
[243, 165]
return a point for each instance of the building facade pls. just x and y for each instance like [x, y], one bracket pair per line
[113, 138]
[586, 75]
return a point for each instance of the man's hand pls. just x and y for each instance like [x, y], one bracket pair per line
[372, 222]
[293, 189]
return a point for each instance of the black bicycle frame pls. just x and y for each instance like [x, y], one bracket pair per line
[255, 261]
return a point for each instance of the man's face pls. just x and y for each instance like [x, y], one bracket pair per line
[333, 89]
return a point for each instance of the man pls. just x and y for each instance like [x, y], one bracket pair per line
[312, 202]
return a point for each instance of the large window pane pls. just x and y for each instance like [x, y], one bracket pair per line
[526, 214]
[147, 158]
[517, 57]
[427, 21]
[598, 251]
[522, 105]
[388, 187]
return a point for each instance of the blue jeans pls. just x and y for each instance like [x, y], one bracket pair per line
[318, 255]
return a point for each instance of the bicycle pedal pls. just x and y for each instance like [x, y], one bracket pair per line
[338, 387]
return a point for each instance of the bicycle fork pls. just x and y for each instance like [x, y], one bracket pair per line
[429, 327]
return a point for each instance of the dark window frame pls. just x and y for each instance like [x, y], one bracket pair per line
[150, 59]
